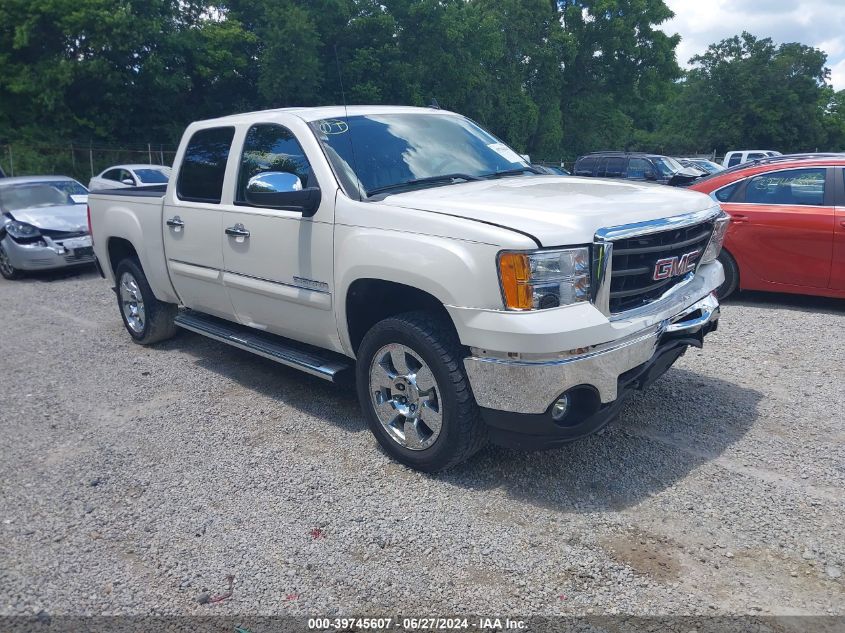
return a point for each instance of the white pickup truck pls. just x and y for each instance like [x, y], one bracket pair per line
[471, 298]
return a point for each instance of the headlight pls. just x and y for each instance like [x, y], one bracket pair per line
[714, 246]
[21, 230]
[544, 279]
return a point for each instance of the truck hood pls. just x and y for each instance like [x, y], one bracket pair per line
[69, 217]
[555, 210]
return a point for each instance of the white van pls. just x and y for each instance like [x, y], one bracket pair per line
[737, 157]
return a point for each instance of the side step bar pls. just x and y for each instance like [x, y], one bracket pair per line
[312, 360]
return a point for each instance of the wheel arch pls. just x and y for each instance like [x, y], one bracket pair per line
[370, 300]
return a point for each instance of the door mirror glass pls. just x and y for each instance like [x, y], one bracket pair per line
[272, 182]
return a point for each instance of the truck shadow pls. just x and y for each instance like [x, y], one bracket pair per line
[800, 303]
[686, 419]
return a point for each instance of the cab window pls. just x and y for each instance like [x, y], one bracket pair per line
[734, 160]
[794, 187]
[204, 165]
[270, 147]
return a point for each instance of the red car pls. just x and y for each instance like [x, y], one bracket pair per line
[787, 231]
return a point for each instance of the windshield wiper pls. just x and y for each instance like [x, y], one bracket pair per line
[431, 180]
[511, 172]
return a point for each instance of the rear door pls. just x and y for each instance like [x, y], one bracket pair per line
[278, 264]
[782, 226]
[193, 223]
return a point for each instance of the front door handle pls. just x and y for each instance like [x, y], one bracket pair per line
[175, 221]
[739, 218]
[237, 231]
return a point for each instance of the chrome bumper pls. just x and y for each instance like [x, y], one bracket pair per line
[44, 257]
[531, 386]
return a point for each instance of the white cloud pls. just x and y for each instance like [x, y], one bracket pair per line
[818, 23]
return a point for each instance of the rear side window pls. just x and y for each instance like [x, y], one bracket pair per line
[795, 186]
[615, 167]
[204, 165]
[585, 166]
[734, 160]
[724, 194]
[112, 174]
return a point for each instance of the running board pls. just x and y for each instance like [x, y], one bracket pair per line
[312, 360]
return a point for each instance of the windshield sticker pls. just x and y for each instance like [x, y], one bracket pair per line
[506, 152]
[333, 126]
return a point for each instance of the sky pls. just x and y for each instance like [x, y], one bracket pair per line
[818, 23]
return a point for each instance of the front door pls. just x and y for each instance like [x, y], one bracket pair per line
[783, 226]
[193, 222]
[278, 264]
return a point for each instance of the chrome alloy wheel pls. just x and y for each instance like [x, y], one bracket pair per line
[405, 396]
[132, 303]
[5, 264]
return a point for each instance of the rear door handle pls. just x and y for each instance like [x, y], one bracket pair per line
[175, 221]
[237, 231]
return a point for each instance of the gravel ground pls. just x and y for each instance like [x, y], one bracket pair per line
[147, 480]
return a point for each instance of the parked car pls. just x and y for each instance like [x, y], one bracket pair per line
[737, 157]
[121, 176]
[707, 166]
[787, 230]
[552, 170]
[43, 224]
[636, 166]
[469, 296]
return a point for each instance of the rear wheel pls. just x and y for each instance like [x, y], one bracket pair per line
[415, 394]
[6, 269]
[731, 275]
[147, 319]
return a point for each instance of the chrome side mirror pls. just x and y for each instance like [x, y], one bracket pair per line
[128, 181]
[282, 190]
[273, 182]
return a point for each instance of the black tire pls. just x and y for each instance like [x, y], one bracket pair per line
[158, 322]
[6, 269]
[432, 338]
[731, 282]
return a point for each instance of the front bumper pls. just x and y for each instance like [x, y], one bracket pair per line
[55, 254]
[526, 386]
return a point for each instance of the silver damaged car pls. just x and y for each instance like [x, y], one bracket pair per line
[44, 224]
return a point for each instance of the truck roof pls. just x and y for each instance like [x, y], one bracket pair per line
[323, 112]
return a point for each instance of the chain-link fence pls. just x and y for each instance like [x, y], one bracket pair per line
[81, 161]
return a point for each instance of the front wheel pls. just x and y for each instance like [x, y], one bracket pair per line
[147, 319]
[6, 269]
[415, 393]
[731, 275]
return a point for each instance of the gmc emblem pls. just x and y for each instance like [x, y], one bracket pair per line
[674, 266]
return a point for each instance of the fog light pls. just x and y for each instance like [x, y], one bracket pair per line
[560, 408]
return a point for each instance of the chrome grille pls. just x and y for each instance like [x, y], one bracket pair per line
[634, 259]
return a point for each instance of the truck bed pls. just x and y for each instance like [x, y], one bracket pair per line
[153, 191]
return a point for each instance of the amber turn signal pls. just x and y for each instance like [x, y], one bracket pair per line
[515, 273]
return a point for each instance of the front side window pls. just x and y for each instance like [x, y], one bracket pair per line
[793, 187]
[638, 168]
[381, 152]
[270, 147]
[204, 165]
[667, 166]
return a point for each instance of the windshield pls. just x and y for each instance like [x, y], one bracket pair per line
[41, 194]
[152, 176]
[374, 153]
[668, 166]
